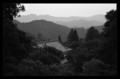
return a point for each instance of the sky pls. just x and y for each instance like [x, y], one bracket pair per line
[67, 10]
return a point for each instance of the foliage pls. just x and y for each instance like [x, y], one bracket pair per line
[69, 38]
[59, 39]
[92, 33]
[94, 67]
[73, 36]
[47, 55]
[40, 37]
[54, 51]
[77, 59]
[76, 38]
[33, 68]
[16, 44]
[73, 45]
[11, 10]
[96, 55]
[109, 46]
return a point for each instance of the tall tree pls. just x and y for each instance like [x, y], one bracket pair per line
[13, 45]
[59, 39]
[70, 36]
[109, 50]
[75, 36]
[11, 34]
[92, 33]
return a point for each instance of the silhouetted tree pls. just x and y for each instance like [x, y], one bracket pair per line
[59, 38]
[75, 36]
[11, 10]
[15, 41]
[109, 50]
[11, 34]
[70, 36]
[92, 33]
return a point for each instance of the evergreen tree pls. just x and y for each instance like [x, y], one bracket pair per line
[92, 33]
[75, 36]
[59, 38]
[70, 36]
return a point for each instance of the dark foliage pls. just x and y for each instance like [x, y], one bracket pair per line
[16, 44]
[109, 49]
[101, 47]
[59, 39]
[73, 36]
[92, 33]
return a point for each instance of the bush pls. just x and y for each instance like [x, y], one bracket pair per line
[11, 70]
[54, 69]
[32, 68]
[74, 45]
[93, 67]
[77, 60]
[54, 51]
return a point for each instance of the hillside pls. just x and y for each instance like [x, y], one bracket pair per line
[72, 22]
[49, 30]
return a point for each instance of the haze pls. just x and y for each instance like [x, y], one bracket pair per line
[67, 10]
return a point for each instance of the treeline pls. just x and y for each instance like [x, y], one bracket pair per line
[96, 55]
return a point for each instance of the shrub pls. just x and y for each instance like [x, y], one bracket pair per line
[93, 67]
[32, 68]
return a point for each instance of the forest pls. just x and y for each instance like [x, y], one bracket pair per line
[94, 55]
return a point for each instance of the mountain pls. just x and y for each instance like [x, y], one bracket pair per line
[80, 23]
[99, 18]
[72, 22]
[99, 28]
[48, 29]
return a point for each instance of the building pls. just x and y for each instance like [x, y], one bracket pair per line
[55, 44]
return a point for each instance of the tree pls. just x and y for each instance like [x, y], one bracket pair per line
[40, 37]
[75, 36]
[92, 33]
[93, 67]
[13, 45]
[59, 38]
[11, 34]
[11, 10]
[74, 44]
[70, 36]
[109, 50]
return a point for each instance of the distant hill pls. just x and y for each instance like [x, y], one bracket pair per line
[80, 23]
[49, 29]
[99, 28]
[72, 22]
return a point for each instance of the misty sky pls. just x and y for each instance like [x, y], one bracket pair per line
[66, 10]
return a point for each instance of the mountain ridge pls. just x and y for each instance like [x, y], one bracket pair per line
[50, 30]
[71, 22]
